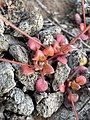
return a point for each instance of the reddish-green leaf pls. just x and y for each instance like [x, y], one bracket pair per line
[81, 80]
[41, 85]
[27, 70]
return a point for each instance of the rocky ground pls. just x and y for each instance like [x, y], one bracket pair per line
[19, 99]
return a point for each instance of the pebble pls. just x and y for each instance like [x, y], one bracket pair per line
[19, 103]
[6, 78]
[50, 104]
[60, 76]
[19, 53]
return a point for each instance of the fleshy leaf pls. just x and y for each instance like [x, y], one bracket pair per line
[47, 69]
[82, 26]
[27, 70]
[62, 59]
[75, 86]
[81, 80]
[60, 38]
[33, 45]
[41, 85]
[39, 56]
[62, 88]
[73, 97]
[49, 51]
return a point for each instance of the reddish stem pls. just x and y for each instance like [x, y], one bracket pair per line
[12, 61]
[71, 43]
[18, 30]
[74, 110]
[83, 12]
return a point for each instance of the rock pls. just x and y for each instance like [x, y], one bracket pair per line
[74, 59]
[4, 45]
[40, 96]
[15, 11]
[19, 53]
[50, 104]
[63, 114]
[15, 117]
[19, 103]
[48, 40]
[1, 112]
[54, 30]
[60, 76]
[31, 25]
[79, 7]
[12, 40]
[6, 78]
[29, 81]
[2, 27]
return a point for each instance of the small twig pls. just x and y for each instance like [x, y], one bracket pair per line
[17, 29]
[71, 43]
[85, 44]
[77, 37]
[12, 61]
[51, 18]
[74, 110]
[83, 12]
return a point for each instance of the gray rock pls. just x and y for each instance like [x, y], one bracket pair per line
[60, 76]
[16, 11]
[74, 59]
[63, 114]
[19, 53]
[6, 78]
[12, 40]
[18, 102]
[40, 96]
[29, 81]
[50, 104]
[52, 31]
[79, 6]
[1, 112]
[47, 39]
[15, 117]
[31, 25]
[4, 45]
[2, 27]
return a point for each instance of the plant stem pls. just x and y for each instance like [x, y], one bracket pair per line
[83, 12]
[74, 110]
[71, 43]
[18, 30]
[12, 61]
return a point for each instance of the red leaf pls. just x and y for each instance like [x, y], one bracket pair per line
[47, 69]
[62, 59]
[60, 38]
[73, 97]
[81, 80]
[56, 47]
[33, 45]
[62, 88]
[39, 56]
[41, 85]
[49, 51]
[27, 70]
[78, 18]
[82, 26]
